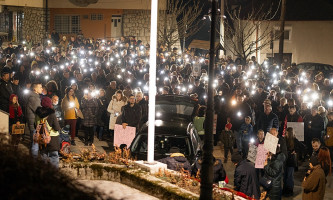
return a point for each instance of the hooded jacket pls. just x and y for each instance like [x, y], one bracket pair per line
[315, 184]
[176, 161]
[53, 125]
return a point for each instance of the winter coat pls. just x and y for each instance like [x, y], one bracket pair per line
[144, 109]
[314, 185]
[292, 158]
[102, 113]
[131, 115]
[291, 118]
[33, 102]
[246, 130]
[273, 170]
[244, 110]
[53, 126]
[89, 111]
[15, 112]
[317, 126]
[246, 180]
[69, 113]
[5, 92]
[228, 138]
[221, 109]
[218, 170]
[176, 161]
[113, 108]
[266, 122]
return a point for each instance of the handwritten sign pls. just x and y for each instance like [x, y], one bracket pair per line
[260, 157]
[18, 129]
[270, 143]
[251, 156]
[298, 129]
[123, 136]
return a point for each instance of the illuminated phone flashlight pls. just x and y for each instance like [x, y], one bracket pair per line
[187, 59]
[48, 41]
[253, 92]
[38, 73]
[71, 104]
[108, 63]
[184, 89]
[166, 78]
[46, 77]
[25, 91]
[234, 68]
[193, 62]
[91, 69]
[72, 81]
[160, 89]
[158, 114]
[314, 96]
[85, 70]
[81, 52]
[96, 63]
[252, 140]
[146, 88]
[32, 72]
[86, 91]
[32, 54]
[245, 77]
[111, 59]
[62, 67]
[131, 61]
[310, 104]
[18, 61]
[331, 81]
[47, 51]
[23, 42]
[265, 63]
[166, 54]
[206, 78]
[89, 60]
[163, 60]
[179, 60]
[306, 81]
[108, 48]
[288, 81]
[282, 91]
[205, 97]
[118, 76]
[122, 70]
[103, 41]
[305, 98]
[202, 60]
[330, 103]
[179, 52]
[298, 92]
[21, 55]
[129, 80]
[72, 53]
[119, 61]
[214, 85]
[255, 76]
[222, 99]
[139, 83]
[90, 52]
[121, 45]
[233, 102]
[190, 86]
[222, 72]
[275, 81]
[274, 75]
[239, 114]
[303, 74]
[66, 63]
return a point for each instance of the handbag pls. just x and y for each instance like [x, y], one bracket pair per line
[78, 113]
[266, 183]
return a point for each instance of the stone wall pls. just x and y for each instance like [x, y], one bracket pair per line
[137, 23]
[34, 24]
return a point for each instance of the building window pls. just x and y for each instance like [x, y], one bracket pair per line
[67, 24]
[287, 33]
[96, 17]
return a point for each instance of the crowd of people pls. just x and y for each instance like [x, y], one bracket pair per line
[106, 81]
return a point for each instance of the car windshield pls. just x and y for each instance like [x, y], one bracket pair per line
[174, 110]
[162, 144]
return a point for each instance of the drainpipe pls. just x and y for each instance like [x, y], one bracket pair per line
[46, 15]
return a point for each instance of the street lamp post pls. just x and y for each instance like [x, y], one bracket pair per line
[206, 187]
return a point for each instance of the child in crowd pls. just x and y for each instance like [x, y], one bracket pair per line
[260, 137]
[199, 120]
[15, 117]
[228, 139]
[246, 131]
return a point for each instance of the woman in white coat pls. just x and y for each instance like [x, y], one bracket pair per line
[117, 102]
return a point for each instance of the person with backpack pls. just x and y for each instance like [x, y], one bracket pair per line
[15, 117]
[45, 116]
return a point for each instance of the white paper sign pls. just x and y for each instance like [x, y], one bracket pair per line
[196, 70]
[270, 143]
[298, 129]
[251, 156]
[123, 136]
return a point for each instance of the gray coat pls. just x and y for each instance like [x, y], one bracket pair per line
[33, 103]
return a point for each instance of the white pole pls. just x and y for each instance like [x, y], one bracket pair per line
[152, 80]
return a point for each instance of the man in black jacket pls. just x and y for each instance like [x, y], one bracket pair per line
[267, 119]
[144, 108]
[5, 89]
[313, 127]
[131, 113]
[245, 178]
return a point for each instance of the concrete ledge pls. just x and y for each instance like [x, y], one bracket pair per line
[131, 176]
[153, 168]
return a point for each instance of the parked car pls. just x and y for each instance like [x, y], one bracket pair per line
[316, 67]
[173, 128]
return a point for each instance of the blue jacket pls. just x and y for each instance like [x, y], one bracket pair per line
[246, 130]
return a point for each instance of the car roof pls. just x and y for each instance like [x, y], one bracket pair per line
[178, 128]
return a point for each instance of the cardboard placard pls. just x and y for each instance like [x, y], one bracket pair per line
[298, 129]
[270, 143]
[260, 157]
[252, 154]
[18, 129]
[329, 137]
[123, 136]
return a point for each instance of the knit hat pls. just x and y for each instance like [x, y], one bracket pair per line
[229, 125]
[46, 102]
[314, 160]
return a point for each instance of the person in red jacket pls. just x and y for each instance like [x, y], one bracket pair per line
[292, 116]
[15, 117]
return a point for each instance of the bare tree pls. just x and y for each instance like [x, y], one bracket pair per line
[179, 21]
[248, 31]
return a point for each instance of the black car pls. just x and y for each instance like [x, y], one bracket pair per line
[173, 128]
[316, 67]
